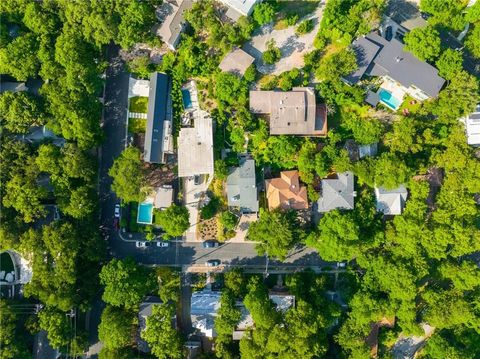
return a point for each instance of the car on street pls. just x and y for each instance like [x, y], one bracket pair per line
[212, 263]
[341, 264]
[210, 244]
[142, 244]
[389, 33]
[163, 244]
[117, 210]
[56, 214]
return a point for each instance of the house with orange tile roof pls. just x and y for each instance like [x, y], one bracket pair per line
[285, 192]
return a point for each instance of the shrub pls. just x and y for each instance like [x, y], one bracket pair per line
[272, 54]
[305, 27]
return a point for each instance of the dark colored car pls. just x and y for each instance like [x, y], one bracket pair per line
[388, 33]
[213, 263]
[210, 244]
[197, 179]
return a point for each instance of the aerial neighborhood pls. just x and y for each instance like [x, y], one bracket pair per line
[240, 179]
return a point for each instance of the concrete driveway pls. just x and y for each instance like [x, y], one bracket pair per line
[292, 46]
[192, 196]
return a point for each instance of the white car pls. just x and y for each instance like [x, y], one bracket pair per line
[163, 244]
[117, 211]
[142, 244]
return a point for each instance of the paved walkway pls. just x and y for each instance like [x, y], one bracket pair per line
[193, 195]
[137, 115]
[292, 46]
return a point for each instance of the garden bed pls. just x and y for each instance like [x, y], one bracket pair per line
[138, 104]
[137, 125]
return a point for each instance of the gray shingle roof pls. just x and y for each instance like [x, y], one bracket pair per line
[158, 111]
[241, 187]
[337, 193]
[390, 59]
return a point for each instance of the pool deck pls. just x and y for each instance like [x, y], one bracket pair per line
[396, 92]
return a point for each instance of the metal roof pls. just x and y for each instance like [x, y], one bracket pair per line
[241, 187]
[158, 111]
[390, 59]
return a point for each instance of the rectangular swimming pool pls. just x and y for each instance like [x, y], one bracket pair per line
[145, 213]
[388, 99]
[187, 100]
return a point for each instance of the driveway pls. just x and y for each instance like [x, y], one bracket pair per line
[192, 195]
[292, 46]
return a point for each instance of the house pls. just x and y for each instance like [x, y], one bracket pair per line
[203, 310]
[237, 8]
[195, 147]
[12, 87]
[236, 61]
[285, 192]
[337, 193]
[282, 301]
[292, 112]
[242, 188]
[145, 310]
[369, 150]
[38, 134]
[173, 22]
[158, 133]
[472, 127]
[391, 202]
[402, 73]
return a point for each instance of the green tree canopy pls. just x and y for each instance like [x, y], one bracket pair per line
[449, 64]
[276, 233]
[115, 329]
[20, 110]
[333, 67]
[19, 58]
[57, 325]
[174, 220]
[128, 177]
[164, 340]
[424, 43]
[263, 13]
[126, 283]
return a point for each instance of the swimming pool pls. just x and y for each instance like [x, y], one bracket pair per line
[388, 99]
[187, 100]
[145, 213]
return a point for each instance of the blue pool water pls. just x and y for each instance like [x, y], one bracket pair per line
[145, 213]
[187, 101]
[388, 99]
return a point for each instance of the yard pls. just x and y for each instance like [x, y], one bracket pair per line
[292, 46]
[138, 104]
[137, 125]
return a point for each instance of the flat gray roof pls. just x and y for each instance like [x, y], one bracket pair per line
[237, 61]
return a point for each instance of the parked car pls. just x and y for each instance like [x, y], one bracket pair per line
[117, 210]
[210, 244]
[56, 214]
[212, 263]
[142, 244]
[197, 179]
[163, 244]
[388, 33]
[341, 264]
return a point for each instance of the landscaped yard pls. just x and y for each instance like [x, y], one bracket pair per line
[299, 9]
[138, 104]
[137, 125]
[411, 107]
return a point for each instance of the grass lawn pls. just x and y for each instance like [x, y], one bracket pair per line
[137, 125]
[412, 108]
[138, 104]
[297, 7]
